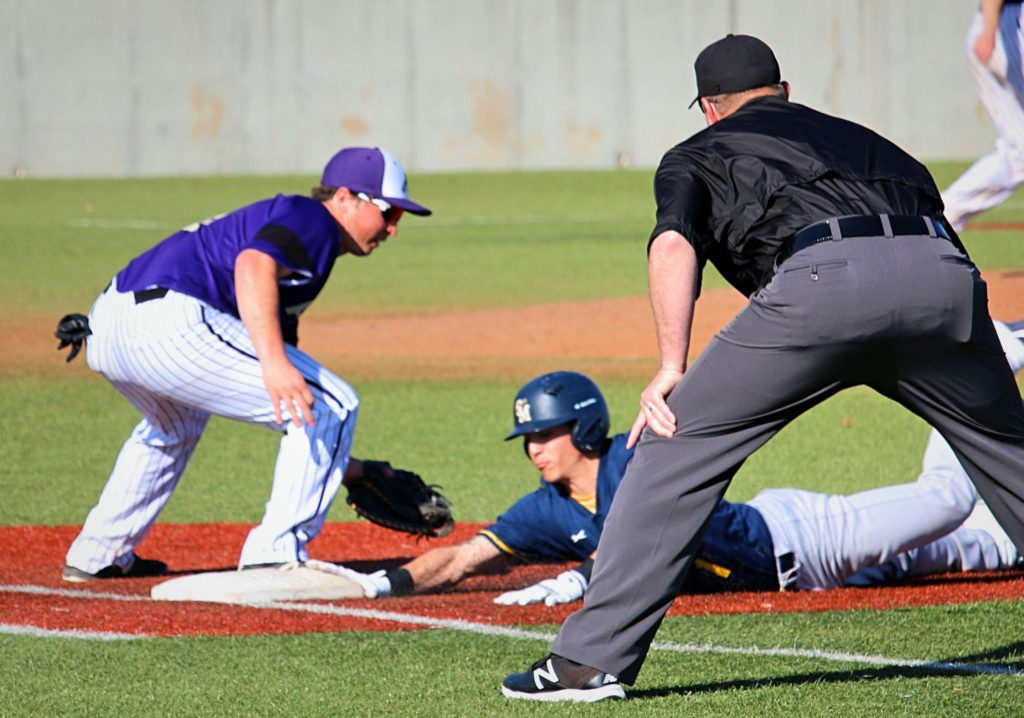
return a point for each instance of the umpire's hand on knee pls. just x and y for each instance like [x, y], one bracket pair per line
[654, 412]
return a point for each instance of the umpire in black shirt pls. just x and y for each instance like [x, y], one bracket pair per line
[854, 277]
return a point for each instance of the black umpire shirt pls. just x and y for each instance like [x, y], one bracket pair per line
[740, 189]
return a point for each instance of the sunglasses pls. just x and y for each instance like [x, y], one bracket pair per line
[390, 212]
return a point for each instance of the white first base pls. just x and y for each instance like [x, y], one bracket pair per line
[258, 585]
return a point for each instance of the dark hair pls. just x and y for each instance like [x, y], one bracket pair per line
[322, 192]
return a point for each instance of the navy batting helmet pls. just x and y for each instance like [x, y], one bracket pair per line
[562, 397]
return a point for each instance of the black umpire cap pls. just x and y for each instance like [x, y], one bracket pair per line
[734, 64]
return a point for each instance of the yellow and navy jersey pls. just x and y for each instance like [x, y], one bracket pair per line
[736, 552]
[549, 525]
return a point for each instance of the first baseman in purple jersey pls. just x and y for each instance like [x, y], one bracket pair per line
[297, 232]
[205, 323]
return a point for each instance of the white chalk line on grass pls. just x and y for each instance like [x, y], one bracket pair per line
[23, 630]
[70, 593]
[491, 630]
[486, 629]
[14, 630]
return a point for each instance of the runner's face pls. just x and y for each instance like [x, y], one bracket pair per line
[553, 453]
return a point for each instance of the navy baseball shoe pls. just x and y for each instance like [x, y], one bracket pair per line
[554, 678]
[138, 568]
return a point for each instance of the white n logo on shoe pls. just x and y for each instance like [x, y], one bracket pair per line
[548, 674]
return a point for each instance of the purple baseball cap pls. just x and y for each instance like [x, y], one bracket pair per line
[373, 171]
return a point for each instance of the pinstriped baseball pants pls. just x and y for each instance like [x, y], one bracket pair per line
[992, 178]
[179, 361]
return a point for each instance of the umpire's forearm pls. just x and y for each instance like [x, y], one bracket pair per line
[672, 280]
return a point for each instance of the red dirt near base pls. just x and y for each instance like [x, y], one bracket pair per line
[31, 558]
[517, 342]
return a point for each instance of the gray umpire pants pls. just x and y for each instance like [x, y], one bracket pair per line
[907, 316]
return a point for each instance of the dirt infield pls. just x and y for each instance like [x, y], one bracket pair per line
[510, 343]
[32, 594]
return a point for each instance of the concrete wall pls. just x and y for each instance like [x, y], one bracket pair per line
[167, 87]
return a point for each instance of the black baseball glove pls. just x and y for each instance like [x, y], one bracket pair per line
[398, 499]
[72, 330]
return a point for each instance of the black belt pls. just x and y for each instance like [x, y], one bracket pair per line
[869, 225]
[148, 295]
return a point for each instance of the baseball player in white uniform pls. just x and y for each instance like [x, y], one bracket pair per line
[994, 58]
[206, 323]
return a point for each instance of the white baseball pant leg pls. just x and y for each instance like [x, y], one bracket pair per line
[993, 177]
[179, 361]
[833, 537]
[966, 549]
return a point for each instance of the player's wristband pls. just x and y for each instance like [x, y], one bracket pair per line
[401, 582]
[585, 569]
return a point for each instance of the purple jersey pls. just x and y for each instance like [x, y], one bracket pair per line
[199, 260]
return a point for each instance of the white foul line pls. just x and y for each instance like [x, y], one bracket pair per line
[13, 630]
[491, 630]
[518, 633]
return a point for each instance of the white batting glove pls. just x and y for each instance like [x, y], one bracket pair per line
[374, 585]
[523, 597]
[568, 586]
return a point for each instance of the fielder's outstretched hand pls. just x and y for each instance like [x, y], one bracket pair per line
[654, 412]
[568, 586]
